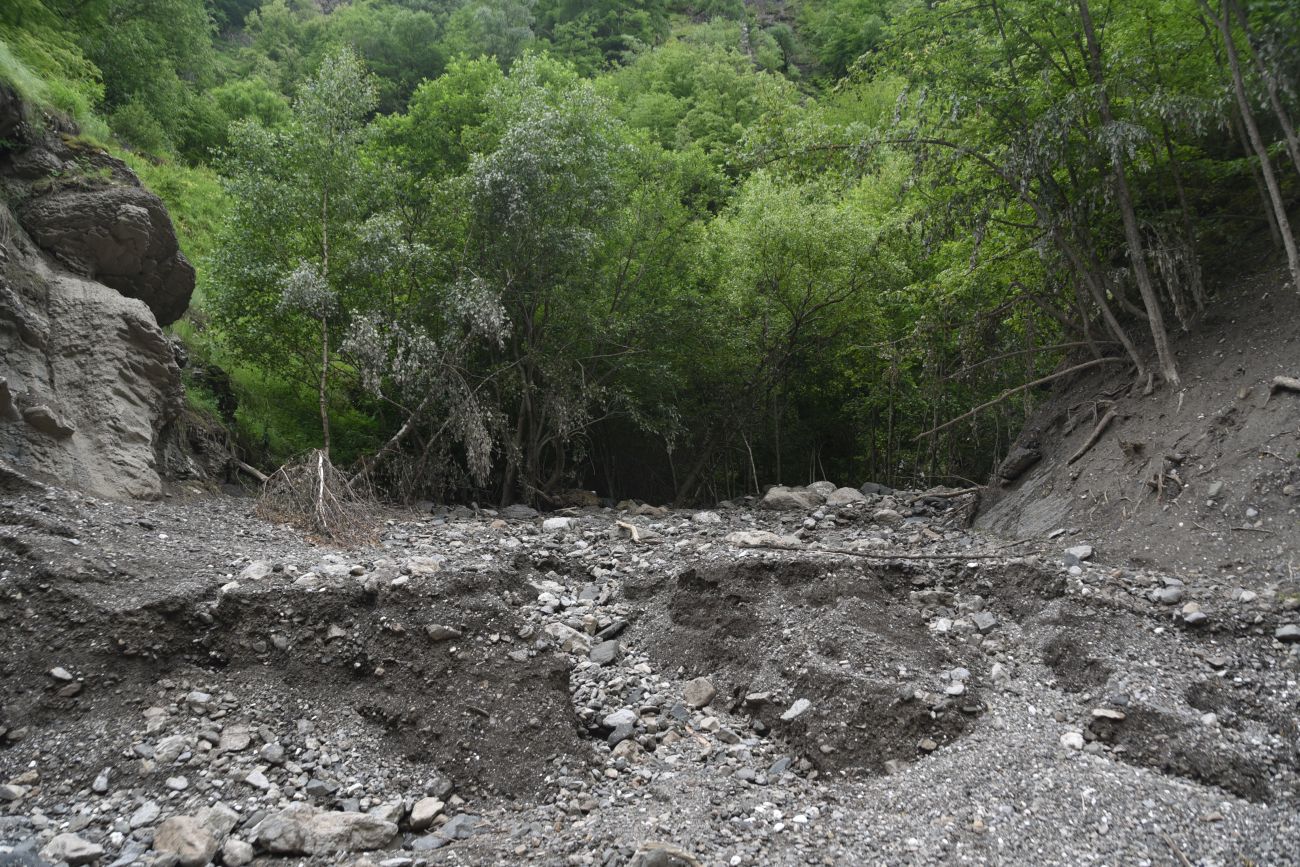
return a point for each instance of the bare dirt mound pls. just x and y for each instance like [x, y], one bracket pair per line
[1205, 476]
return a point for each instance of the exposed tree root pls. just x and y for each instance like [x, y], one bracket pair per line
[1093, 437]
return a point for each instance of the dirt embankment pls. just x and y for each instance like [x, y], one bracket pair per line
[1205, 476]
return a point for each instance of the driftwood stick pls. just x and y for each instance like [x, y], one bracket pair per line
[1019, 388]
[1094, 436]
[948, 495]
[250, 469]
[881, 555]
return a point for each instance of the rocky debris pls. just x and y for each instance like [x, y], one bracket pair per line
[1289, 632]
[834, 720]
[657, 854]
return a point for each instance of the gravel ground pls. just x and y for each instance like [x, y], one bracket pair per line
[820, 678]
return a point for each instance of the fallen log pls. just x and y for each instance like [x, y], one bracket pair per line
[250, 469]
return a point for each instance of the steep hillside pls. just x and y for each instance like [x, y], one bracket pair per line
[1205, 476]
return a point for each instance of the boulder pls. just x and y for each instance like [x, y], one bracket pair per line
[699, 692]
[186, 839]
[761, 539]
[301, 829]
[888, 517]
[424, 812]
[218, 819]
[348, 832]
[575, 497]
[236, 853]
[519, 512]
[71, 849]
[120, 236]
[844, 496]
[823, 489]
[1016, 463]
[782, 499]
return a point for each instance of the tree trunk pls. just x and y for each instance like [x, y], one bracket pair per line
[1270, 84]
[324, 323]
[1257, 142]
[1137, 254]
[324, 385]
[1265, 203]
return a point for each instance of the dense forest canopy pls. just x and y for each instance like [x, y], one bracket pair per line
[678, 249]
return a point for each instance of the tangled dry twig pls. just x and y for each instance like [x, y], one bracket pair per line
[312, 494]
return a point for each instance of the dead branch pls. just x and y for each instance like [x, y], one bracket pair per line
[882, 555]
[1173, 847]
[1005, 355]
[1093, 437]
[1009, 392]
[250, 469]
[948, 495]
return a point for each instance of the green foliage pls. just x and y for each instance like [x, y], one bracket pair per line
[501, 29]
[298, 196]
[594, 33]
[842, 31]
[687, 95]
[43, 62]
[669, 249]
[444, 122]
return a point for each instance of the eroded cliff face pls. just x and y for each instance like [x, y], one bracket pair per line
[89, 268]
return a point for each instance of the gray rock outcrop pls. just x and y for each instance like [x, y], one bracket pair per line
[89, 384]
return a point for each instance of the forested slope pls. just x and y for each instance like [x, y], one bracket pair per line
[679, 250]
